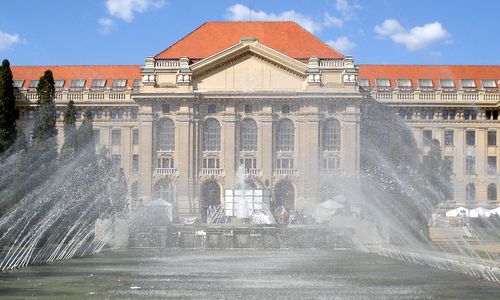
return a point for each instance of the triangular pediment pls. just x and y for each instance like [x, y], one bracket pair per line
[249, 65]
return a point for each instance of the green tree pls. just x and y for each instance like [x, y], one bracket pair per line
[70, 138]
[437, 171]
[7, 108]
[45, 131]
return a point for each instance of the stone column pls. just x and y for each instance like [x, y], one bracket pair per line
[145, 149]
[126, 151]
[265, 148]
[184, 160]
[228, 139]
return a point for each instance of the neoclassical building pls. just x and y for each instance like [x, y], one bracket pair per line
[274, 99]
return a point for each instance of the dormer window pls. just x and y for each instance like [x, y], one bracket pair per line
[489, 83]
[383, 83]
[447, 83]
[137, 83]
[404, 83]
[363, 83]
[468, 83]
[58, 84]
[34, 84]
[77, 83]
[98, 83]
[119, 83]
[18, 83]
[425, 83]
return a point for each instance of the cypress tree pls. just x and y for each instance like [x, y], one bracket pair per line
[7, 108]
[45, 131]
[70, 138]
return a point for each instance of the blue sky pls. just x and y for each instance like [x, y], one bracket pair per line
[80, 32]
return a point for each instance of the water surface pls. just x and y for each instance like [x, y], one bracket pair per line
[239, 274]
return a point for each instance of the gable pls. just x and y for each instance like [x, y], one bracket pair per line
[248, 71]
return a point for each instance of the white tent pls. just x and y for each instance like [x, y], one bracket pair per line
[479, 212]
[495, 211]
[457, 212]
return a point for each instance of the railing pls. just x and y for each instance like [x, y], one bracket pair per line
[165, 171]
[212, 172]
[285, 172]
[332, 171]
[167, 64]
[81, 95]
[331, 63]
[392, 95]
[254, 172]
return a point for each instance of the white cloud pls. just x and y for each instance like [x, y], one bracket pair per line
[341, 44]
[346, 9]
[331, 21]
[8, 40]
[240, 12]
[416, 38]
[106, 25]
[125, 9]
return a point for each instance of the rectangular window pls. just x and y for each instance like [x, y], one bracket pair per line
[449, 114]
[116, 137]
[470, 165]
[117, 114]
[77, 83]
[470, 138]
[97, 136]
[492, 138]
[98, 83]
[58, 114]
[135, 163]
[425, 83]
[165, 108]
[284, 163]
[383, 82]
[492, 165]
[211, 109]
[119, 83]
[447, 83]
[18, 83]
[134, 113]
[31, 114]
[58, 84]
[136, 83]
[135, 136]
[331, 162]
[96, 114]
[491, 114]
[488, 83]
[404, 83]
[248, 108]
[363, 82]
[33, 84]
[211, 163]
[332, 108]
[116, 161]
[449, 138]
[451, 162]
[285, 108]
[165, 163]
[470, 114]
[78, 114]
[249, 163]
[427, 137]
[468, 83]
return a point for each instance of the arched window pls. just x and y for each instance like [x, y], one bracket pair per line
[492, 192]
[470, 192]
[331, 135]
[285, 135]
[284, 195]
[211, 135]
[210, 197]
[248, 135]
[165, 135]
[134, 190]
[163, 190]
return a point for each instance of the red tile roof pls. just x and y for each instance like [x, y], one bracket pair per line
[434, 72]
[286, 37]
[68, 73]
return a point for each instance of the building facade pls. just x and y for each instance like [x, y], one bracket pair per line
[272, 99]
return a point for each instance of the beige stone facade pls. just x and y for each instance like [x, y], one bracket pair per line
[180, 127]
